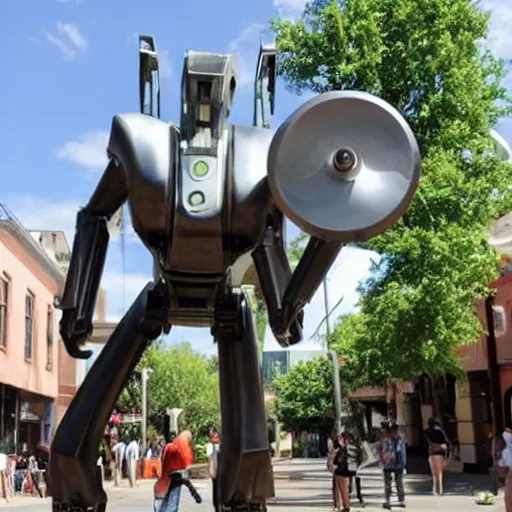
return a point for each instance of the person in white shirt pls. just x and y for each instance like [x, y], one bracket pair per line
[212, 452]
[132, 456]
[119, 451]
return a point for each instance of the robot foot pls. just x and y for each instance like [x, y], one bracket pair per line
[77, 505]
[243, 507]
[74, 487]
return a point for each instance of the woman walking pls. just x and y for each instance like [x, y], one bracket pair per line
[437, 451]
[505, 461]
[355, 459]
[341, 474]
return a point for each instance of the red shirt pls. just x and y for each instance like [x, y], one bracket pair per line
[176, 456]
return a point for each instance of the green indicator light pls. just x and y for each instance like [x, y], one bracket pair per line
[200, 169]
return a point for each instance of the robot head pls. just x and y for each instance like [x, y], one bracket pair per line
[208, 89]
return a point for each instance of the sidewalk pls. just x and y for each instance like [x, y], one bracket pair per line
[306, 483]
[302, 485]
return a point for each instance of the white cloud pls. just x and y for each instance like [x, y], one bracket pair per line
[350, 268]
[499, 39]
[290, 9]
[37, 213]
[121, 290]
[74, 35]
[68, 39]
[88, 151]
[41, 214]
[246, 45]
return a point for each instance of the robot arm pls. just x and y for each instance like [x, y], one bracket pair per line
[287, 292]
[87, 260]
[91, 240]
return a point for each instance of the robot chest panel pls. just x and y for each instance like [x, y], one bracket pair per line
[198, 223]
[221, 203]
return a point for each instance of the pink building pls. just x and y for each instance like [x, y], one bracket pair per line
[30, 352]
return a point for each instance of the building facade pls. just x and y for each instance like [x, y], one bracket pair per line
[71, 371]
[29, 343]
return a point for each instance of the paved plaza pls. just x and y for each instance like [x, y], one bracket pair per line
[301, 485]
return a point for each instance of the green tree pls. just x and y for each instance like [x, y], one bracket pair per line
[426, 58]
[305, 397]
[180, 378]
[212, 364]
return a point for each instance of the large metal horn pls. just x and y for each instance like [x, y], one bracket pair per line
[344, 166]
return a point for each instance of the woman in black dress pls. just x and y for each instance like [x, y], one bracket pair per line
[341, 473]
[437, 452]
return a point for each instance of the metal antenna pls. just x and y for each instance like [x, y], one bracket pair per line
[265, 85]
[149, 77]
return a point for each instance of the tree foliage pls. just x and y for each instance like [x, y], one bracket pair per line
[180, 378]
[426, 58]
[305, 397]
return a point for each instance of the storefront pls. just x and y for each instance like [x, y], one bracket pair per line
[25, 420]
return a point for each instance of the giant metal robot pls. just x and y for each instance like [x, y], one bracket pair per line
[208, 200]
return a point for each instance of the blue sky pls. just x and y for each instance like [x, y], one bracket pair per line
[72, 64]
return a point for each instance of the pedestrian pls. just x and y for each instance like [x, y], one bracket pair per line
[177, 456]
[119, 451]
[341, 473]
[355, 459]
[212, 452]
[505, 461]
[392, 459]
[132, 457]
[4, 486]
[437, 452]
[330, 465]
[150, 451]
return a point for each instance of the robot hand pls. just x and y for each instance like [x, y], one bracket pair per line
[73, 335]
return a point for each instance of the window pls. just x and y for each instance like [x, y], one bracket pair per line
[49, 339]
[29, 325]
[4, 310]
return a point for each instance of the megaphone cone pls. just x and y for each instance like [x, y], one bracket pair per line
[344, 166]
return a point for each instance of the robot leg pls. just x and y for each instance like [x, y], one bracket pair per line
[245, 469]
[74, 480]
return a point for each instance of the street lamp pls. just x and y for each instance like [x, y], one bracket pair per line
[335, 360]
[337, 389]
[145, 374]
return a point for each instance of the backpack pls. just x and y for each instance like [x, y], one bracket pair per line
[341, 459]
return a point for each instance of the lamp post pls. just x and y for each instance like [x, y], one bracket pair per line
[337, 389]
[327, 314]
[145, 374]
[335, 360]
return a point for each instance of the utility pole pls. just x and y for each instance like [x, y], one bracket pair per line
[327, 314]
[145, 373]
[337, 389]
[335, 361]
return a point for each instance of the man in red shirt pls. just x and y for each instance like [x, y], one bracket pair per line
[177, 456]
